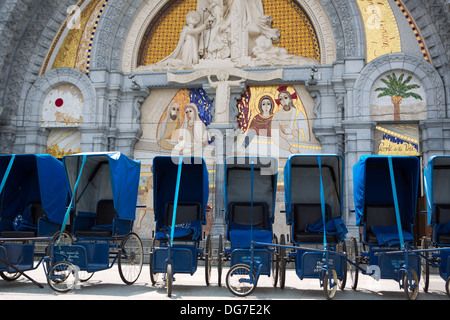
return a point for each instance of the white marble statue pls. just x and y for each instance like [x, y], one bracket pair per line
[228, 34]
[266, 54]
[222, 101]
[215, 41]
[186, 54]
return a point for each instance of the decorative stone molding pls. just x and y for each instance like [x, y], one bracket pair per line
[316, 11]
[31, 108]
[31, 26]
[423, 70]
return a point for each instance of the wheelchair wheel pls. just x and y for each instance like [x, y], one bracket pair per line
[63, 276]
[329, 283]
[425, 267]
[275, 261]
[10, 276]
[239, 280]
[169, 279]
[411, 294]
[342, 248]
[353, 254]
[131, 258]
[153, 276]
[208, 260]
[282, 268]
[65, 239]
[220, 261]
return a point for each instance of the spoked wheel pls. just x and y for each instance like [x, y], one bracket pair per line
[153, 276]
[60, 239]
[169, 279]
[275, 255]
[411, 291]
[220, 261]
[425, 267]
[240, 280]
[282, 268]
[353, 254]
[10, 276]
[208, 260]
[57, 273]
[131, 258]
[65, 239]
[342, 248]
[329, 283]
[63, 276]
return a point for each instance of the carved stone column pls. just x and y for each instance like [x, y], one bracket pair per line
[219, 137]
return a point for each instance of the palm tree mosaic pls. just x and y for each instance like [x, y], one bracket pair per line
[398, 89]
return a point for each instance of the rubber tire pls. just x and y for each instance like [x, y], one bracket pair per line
[245, 271]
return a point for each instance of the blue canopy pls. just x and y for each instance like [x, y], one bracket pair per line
[100, 176]
[437, 185]
[33, 178]
[302, 181]
[237, 182]
[193, 187]
[305, 184]
[250, 186]
[372, 184]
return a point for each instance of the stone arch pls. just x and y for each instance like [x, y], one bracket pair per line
[24, 63]
[112, 32]
[32, 107]
[427, 75]
[315, 10]
[434, 35]
[124, 22]
[10, 34]
[431, 30]
[312, 11]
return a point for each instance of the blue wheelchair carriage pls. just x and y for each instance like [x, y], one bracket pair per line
[314, 204]
[385, 195]
[436, 253]
[249, 194]
[181, 192]
[34, 195]
[103, 188]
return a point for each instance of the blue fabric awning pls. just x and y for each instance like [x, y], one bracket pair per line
[437, 184]
[372, 184]
[109, 175]
[302, 182]
[238, 181]
[33, 178]
[193, 188]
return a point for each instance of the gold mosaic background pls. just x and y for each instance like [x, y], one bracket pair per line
[67, 55]
[297, 33]
[162, 36]
[381, 28]
[75, 49]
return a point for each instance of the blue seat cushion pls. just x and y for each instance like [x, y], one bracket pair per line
[388, 235]
[241, 237]
[186, 231]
